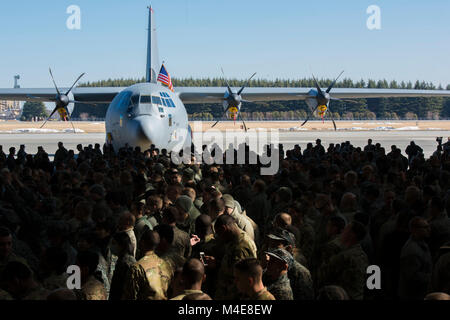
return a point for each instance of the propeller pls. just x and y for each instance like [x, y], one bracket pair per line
[62, 99]
[323, 98]
[234, 99]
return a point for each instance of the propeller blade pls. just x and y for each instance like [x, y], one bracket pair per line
[224, 113]
[51, 114]
[68, 117]
[246, 84]
[332, 118]
[75, 83]
[309, 115]
[243, 122]
[334, 82]
[82, 102]
[317, 86]
[54, 83]
[226, 81]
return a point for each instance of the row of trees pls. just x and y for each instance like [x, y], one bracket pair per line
[302, 83]
[381, 108]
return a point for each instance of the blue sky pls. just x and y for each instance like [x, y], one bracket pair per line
[284, 39]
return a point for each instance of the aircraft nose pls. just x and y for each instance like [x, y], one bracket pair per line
[145, 131]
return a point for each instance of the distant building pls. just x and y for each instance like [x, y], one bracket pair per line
[9, 110]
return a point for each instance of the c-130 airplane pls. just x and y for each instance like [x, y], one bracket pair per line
[149, 113]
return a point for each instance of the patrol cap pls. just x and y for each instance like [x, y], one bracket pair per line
[189, 174]
[184, 202]
[229, 201]
[282, 235]
[281, 255]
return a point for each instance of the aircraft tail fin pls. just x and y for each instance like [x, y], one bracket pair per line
[153, 64]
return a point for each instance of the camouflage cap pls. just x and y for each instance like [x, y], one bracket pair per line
[189, 174]
[184, 202]
[282, 235]
[282, 255]
[229, 201]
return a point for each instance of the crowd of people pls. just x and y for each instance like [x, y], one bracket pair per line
[93, 224]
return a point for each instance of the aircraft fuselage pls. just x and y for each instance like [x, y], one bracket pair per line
[146, 114]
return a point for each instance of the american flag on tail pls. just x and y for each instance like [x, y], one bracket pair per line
[164, 78]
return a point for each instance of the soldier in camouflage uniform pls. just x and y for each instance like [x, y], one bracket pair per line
[149, 278]
[91, 287]
[348, 268]
[275, 276]
[248, 280]
[241, 220]
[238, 245]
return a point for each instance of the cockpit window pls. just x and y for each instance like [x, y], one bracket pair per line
[156, 100]
[134, 100]
[123, 99]
[146, 99]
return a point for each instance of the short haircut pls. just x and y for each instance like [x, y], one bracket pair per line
[170, 214]
[250, 267]
[216, 205]
[165, 232]
[193, 271]
[123, 239]
[259, 185]
[154, 200]
[150, 239]
[190, 192]
[224, 220]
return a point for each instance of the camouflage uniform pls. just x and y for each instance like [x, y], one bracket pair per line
[140, 225]
[347, 269]
[330, 249]
[148, 279]
[93, 290]
[243, 223]
[185, 293]
[173, 258]
[122, 267]
[264, 294]
[280, 288]
[181, 242]
[301, 282]
[305, 241]
[415, 270]
[242, 248]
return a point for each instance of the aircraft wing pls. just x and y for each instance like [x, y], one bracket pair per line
[94, 95]
[215, 94]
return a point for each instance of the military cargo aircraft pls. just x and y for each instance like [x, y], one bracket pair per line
[151, 113]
